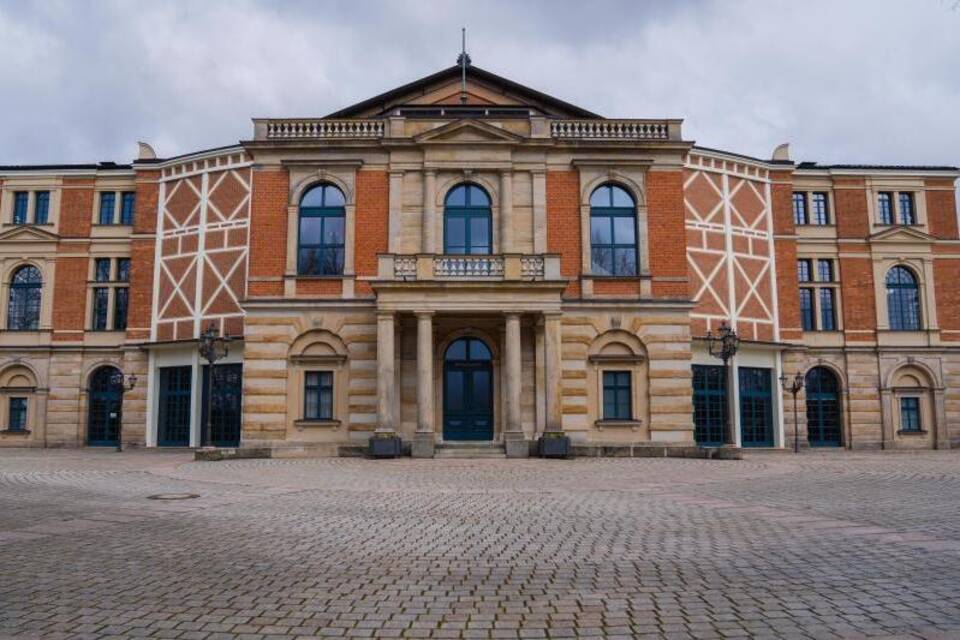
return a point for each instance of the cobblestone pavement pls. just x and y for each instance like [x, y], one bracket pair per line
[820, 545]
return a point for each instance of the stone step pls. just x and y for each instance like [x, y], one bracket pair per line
[470, 450]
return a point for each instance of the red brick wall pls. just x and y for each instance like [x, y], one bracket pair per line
[148, 193]
[788, 293]
[140, 311]
[563, 225]
[70, 297]
[268, 232]
[371, 225]
[942, 209]
[850, 208]
[859, 303]
[76, 207]
[946, 275]
[667, 234]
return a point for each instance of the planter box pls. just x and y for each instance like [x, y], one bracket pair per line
[553, 446]
[381, 447]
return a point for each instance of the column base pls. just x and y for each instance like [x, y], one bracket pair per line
[422, 446]
[516, 446]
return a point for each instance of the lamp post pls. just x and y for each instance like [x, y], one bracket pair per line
[118, 383]
[724, 345]
[794, 387]
[213, 347]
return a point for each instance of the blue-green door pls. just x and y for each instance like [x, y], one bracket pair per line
[823, 408]
[467, 391]
[173, 422]
[709, 404]
[105, 397]
[756, 407]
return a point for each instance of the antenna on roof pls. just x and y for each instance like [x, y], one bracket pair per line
[464, 61]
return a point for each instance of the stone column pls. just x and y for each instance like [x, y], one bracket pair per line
[513, 437]
[385, 371]
[553, 366]
[424, 439]
[506, 212]
[428, 221]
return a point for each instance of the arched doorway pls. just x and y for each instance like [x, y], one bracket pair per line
[823, 408]
[467, 391]
[105, 400]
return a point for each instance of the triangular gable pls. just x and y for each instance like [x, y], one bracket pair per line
[27, 234]
[472, 131]
[443, 88]
[902, 234]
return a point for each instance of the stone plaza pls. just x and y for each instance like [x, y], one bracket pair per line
[820, 545]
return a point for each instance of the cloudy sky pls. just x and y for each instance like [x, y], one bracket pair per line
[874, 81]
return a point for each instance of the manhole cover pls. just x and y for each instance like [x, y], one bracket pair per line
[173, 496]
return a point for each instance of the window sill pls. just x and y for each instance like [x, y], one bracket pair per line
[618, 424]
[16, 432]
[28, 224]
[317, 424]
[112, 225]
[921, 432]
[305, 277]
[634, 278]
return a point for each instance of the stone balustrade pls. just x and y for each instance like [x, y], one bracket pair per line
[616, 129]
[511, 266]
[315, 128]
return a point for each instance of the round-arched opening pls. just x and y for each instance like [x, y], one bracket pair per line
[467, 391]
[824, 427]
[467, 221]
[105, 398]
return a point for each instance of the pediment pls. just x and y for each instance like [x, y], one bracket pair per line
[24, 233]
[470, 132]
[901, 234]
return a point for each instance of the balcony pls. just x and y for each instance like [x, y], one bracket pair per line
[615, 129]
[317, 129]
[510, 267]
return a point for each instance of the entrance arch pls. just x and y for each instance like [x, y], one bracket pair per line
[823, 408]
[468, 390]
[105, 400]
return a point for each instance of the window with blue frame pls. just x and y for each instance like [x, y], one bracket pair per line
[467, 221]
[101, 269]
[803, 270]
[819, 208]
[613, 232]
[800, 215]
[807, 318]
[128, 201]
[41, 207]
[908, 215]
[123, 269]
[828, 314]
[121, 298]
[23, 305]
[108, 206]
[101, 307]
[321, 233]
[617, 402]
[903, 300]
[824, 270]
[885, 208]
[910, 414]
[17, 419]
[21, 201]
[318, 395]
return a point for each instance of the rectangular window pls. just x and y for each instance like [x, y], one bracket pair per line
[121, 297]
[127, 203]
[907, 214]
[101, 298]
[825, 270]
[318, 395]
[18, 414]
[910, 414]
[807, 318]
[828, 315]
[123, 269]
[617, 403]
[885, 208]
[107, 207]
[20, 201]
[818, 209]
[803, 270]
[101, 269]
[800, 208]
[41, 208]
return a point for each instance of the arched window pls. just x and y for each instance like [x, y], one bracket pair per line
[467, 226]
[321, 234]
[23, 310]
[613, 232]
[903, 300]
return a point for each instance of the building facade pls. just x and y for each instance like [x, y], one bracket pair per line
[472, 260]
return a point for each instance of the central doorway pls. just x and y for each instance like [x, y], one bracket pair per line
[467, 391]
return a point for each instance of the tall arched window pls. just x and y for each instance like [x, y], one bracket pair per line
[23, 308]
[321, 234]
[467, 226]
[613, 232]
[903, 300]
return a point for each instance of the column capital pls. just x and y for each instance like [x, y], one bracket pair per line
[384, 315]
[424, 314]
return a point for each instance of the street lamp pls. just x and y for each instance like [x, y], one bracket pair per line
[793, 387]
[117, 382]
[724, 345]
[213, 347]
